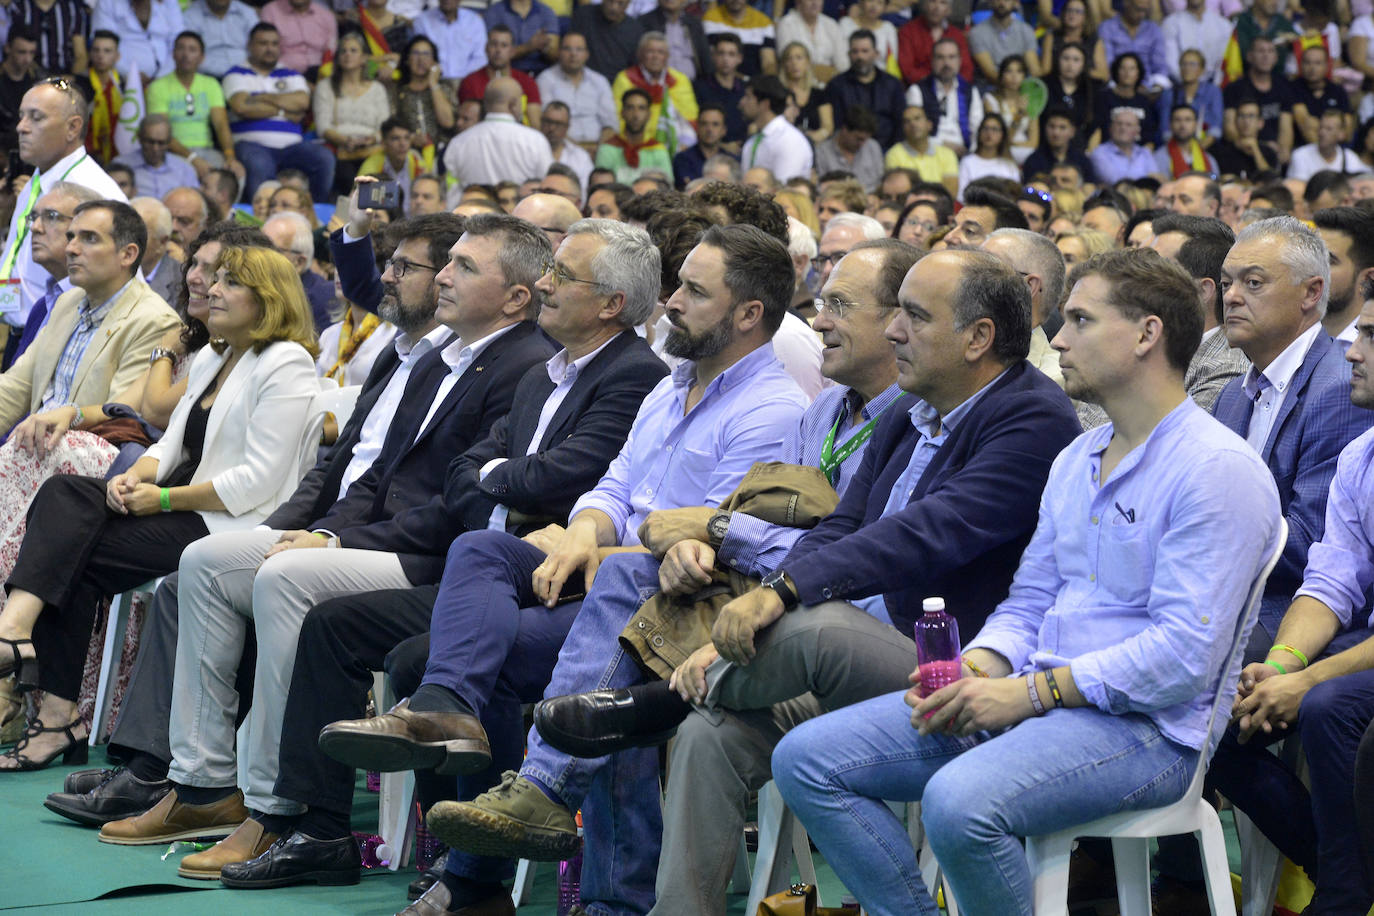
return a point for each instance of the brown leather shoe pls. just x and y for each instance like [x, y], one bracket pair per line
[170, 820]
[436, 901]
[450, 743]
[247, 842]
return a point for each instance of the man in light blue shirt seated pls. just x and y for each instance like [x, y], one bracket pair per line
[1121, 157]
[1317, 682]
[1089, 688]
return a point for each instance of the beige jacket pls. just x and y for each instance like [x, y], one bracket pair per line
[116, 358]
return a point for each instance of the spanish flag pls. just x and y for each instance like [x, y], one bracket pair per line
[104, 115]
[1232, 62]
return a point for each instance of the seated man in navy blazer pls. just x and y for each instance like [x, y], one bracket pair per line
[943, 502]
[407, 299]
[382, 534]
[569, 418]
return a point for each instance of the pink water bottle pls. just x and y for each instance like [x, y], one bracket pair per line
[937, 647]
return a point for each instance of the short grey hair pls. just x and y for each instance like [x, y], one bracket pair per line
[629, 263]
[302, 237]
[525, 250]
[648, 37]
[79, 192]
[1040, 256]
[1303, 253]
[160, 224]
[729, 162]
[800, 241]
[153, 120]
[869, 227]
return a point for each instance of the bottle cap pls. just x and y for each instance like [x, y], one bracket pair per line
[931, 605]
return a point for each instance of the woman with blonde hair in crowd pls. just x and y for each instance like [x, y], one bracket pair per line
[262, 198]
[814, 114]
[1082, 244]
[796, 204]
[1068, 202]
[349, 110]
[234, 448]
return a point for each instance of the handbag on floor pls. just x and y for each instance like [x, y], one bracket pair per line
[798, 900]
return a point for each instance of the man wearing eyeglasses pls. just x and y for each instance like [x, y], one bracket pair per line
[554, 124]
[156, 171]
[842, 233]
[52, 134]
[48, 223]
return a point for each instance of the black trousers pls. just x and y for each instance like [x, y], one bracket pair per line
[342, 641]
[77, 551]
[147, 708]
[1364, 802]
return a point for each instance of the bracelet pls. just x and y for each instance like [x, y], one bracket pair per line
[165, 499]
[977, 672]
[1280, 647]
[1054, 689]
[80, 416]
[1038, 706]
[1276, 666]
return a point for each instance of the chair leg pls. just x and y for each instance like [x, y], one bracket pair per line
[396, 807]
[1132, 858]
[524, 881]
[1049, 865]
[1260, 863]
[1214, 866]
[773, 864]
[115, 625]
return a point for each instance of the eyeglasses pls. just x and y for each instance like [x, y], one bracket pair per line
[820, 260]
[836, 307]
[399, 267]
[52, 217]
[925, 226]
[190, 101]
[560, 275]
[553, 123]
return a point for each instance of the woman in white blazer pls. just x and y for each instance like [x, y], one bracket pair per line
[231, 452]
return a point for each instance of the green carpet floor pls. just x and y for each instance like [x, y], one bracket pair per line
[52, 866]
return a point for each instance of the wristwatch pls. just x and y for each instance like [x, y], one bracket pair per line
[781, 584]
[716, 528]
[161, 353]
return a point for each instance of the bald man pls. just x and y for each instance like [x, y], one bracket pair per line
[499, 148]
[550, 212]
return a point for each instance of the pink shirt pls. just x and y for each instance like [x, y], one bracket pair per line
[304, 36]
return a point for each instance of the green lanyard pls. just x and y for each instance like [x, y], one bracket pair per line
[831, 460]
[8, 267]
[754, 150]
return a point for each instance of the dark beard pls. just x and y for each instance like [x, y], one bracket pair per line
[708, 343]
[407, 321]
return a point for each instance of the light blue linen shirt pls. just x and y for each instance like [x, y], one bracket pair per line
[1137, 583]
[1340, 567]
[674, 459]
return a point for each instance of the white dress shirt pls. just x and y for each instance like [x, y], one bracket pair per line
[1182, 31]
[462, 43]
[780, 148]
[495, 150]
[1268, 387]
[458, 356]
[591, 106]
[373, 433]
[947, 131]
[825, 43]
[147, 50]
[76, 167]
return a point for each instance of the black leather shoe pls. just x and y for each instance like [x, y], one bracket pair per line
[121, 795]
[417, 888]
[597, 723]
[79, 782]
[298, 858]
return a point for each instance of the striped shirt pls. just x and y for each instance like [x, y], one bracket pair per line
[754, 29]
[276, 132]
[87, 323]
[55, 28]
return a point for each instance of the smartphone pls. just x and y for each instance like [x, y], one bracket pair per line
[379, 195]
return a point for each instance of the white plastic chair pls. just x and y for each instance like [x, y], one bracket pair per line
[338, 401]
[1260, 860]
[116, 632]
[1131, 831]
[396, 804]
[782, 841]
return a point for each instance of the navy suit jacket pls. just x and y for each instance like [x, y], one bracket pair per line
[584, 435]
[1316, 420]
[398, 505]
[356, 264]
[971, 515]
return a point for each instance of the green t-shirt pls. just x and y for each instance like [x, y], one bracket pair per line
[654, 157]
[189, 110]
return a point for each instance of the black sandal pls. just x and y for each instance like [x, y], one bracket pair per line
[24, 669]
[75, 751]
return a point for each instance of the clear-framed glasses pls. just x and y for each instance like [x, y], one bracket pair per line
[49, 217]
[924, 226]
[399, 267]
[560, 275]
[835, 307]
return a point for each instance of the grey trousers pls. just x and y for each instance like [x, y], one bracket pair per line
[224, 582]
[810, 661]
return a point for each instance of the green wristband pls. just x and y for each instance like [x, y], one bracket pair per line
[1276, 666]
[165, 499]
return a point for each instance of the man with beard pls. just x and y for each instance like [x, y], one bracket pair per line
[408, 303]
[695, 436]
[1349, 236]
[385, 532]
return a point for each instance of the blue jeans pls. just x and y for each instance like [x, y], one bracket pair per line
[494, 645]
[263, 162]
[1045, 774]
[622, 823]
